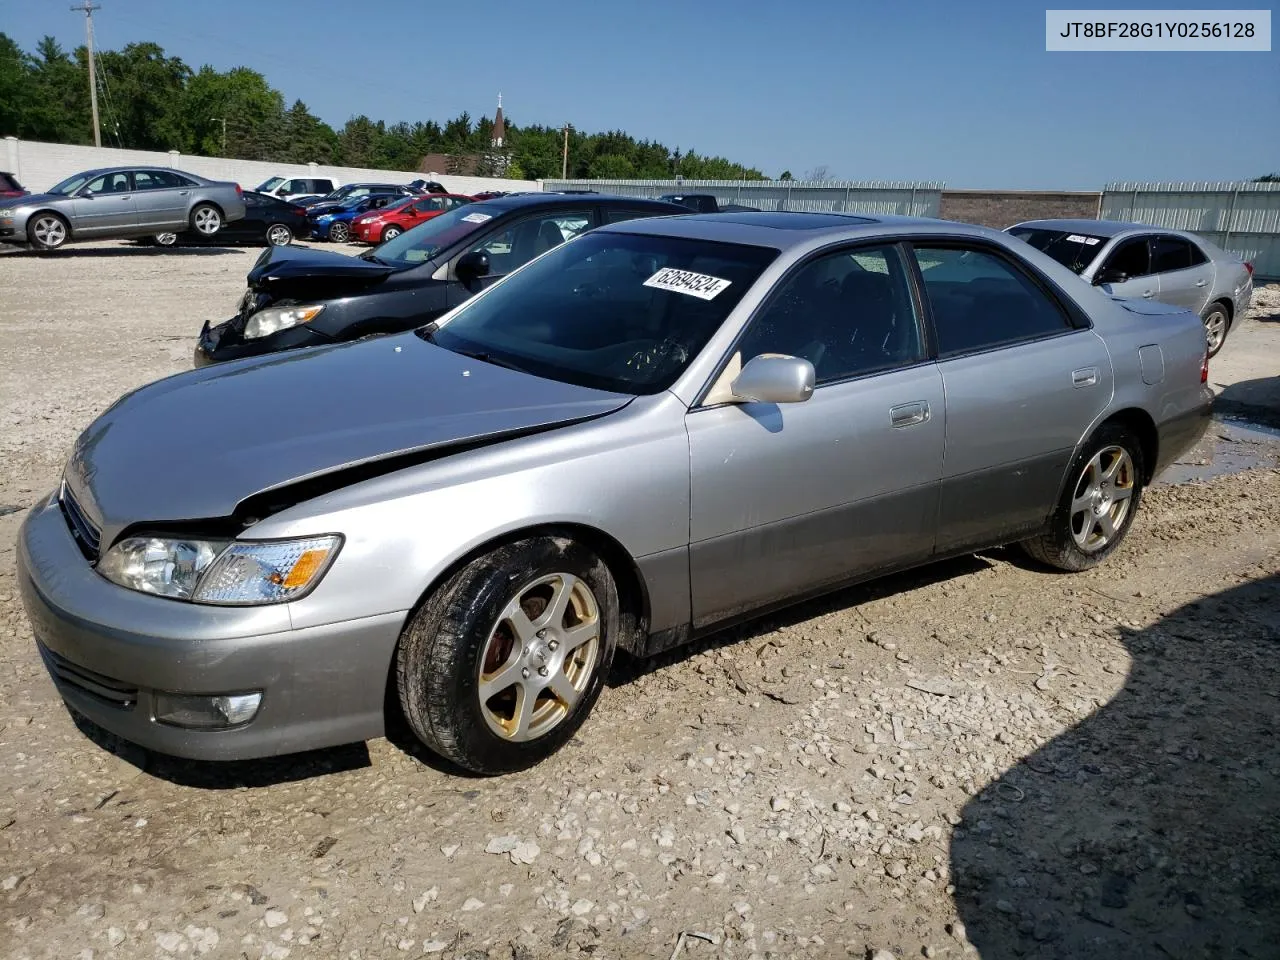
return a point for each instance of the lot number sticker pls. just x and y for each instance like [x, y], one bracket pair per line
[477, 217]
[1089, 241]
[684, 281]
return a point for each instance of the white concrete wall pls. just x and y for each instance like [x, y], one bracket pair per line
[40, 165]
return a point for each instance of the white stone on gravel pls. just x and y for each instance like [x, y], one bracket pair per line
[275, 918]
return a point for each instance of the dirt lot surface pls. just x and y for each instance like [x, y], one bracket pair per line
[979, 757]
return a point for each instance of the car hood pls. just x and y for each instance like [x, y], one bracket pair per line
[195, 446]
[36, 198]
[293, 263]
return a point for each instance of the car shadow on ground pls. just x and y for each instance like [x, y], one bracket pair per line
[75, 253]
[1257, 401]
[1151, 829]
[627, 669]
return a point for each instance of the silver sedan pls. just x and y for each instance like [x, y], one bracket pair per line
[1154, 263]
[119, 202]
[650, 431]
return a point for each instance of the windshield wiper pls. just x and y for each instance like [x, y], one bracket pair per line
[489, 358]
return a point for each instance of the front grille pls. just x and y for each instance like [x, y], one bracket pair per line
[105, 689]
[87, 535]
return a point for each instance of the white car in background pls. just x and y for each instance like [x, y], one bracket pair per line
[291, 188]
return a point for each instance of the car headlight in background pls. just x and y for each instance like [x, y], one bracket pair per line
[7, 212]
[273, 319]
[231, 572]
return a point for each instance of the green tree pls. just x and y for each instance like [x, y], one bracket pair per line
[1269, 178]
[142, 96]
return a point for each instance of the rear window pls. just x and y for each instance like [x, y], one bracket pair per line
[1075, 251]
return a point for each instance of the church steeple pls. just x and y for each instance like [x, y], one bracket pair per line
[499, 126]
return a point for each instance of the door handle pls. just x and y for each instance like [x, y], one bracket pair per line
[1201, 283]
[1084, 377]
[1148, 294]
[125, 197]
[909, 414]
[184, 193]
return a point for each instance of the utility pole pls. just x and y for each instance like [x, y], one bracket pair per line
[223, 120]
[564, 162]
[88, 9]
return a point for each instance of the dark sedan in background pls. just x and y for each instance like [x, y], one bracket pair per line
[266, 220]
[299, 297]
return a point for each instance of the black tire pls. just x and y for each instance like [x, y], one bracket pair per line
[439, 660]
[48, 231]
[1217, 324]
[1060, 546]
[391, 233]
[339, 232]
[279, 235]
[206, 219]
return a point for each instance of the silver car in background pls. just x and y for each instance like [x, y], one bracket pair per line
[1155, 263]
[657, 428]
[120, 202]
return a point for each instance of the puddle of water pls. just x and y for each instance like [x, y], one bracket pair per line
[1229, 446]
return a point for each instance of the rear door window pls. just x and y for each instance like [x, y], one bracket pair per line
[980, 301]
[1173, 253]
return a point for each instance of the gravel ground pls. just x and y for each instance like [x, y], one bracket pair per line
[978, 757]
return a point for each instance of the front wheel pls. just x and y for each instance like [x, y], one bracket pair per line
[391, 233]
[206, 219]
[278, 235]
[502, 664]
[1216, 324]
[47, 231]
[339, 233]
[1098, 503]
[165, 239]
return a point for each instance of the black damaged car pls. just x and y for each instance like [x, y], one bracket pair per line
[300, 297]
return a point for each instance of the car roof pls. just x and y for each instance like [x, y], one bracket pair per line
[522, 200]
[1097, 228]
[779, 229]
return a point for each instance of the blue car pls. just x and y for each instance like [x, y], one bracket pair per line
[333, 221]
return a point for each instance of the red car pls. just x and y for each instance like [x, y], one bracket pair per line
[378, 226]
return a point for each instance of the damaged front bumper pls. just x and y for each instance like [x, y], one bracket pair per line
[223, 342]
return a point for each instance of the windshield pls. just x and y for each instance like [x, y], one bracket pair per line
[71, 184]
[614, 311]
[271, 184]
[427, 239]
[1075, 251]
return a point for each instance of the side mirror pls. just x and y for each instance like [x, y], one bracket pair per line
[1110, 276]
[774, 378]
[472, 266]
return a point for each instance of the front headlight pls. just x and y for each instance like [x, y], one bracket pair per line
[231, 572]
[273, 319]
[7, 212]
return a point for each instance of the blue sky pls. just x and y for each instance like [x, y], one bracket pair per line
[959, 92]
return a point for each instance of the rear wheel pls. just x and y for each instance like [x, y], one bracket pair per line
[339, 232]
[1098, 505]
[206, 219]
[278, 235]
[1216, 324]
[47, 231]
[391, 233]
[502, 664]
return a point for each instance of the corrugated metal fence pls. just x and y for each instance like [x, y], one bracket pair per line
[921, 199]
[1242, 216]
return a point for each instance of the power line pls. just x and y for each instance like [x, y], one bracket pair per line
[88, 9]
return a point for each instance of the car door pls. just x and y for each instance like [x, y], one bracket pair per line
[104, 205]
[787, 498]
[1024, 378]
[1130, 258]
[517, 242]
[1185, 273]
[162, 199]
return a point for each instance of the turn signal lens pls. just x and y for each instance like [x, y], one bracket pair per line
[267, 571]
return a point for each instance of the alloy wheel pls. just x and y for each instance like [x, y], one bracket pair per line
[1215, 329]
[391, 233]
[278, 235]
[49, 232]
[1101, 499]
[339, 233]
[166, 239]
[208, 221]
[539, 657]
